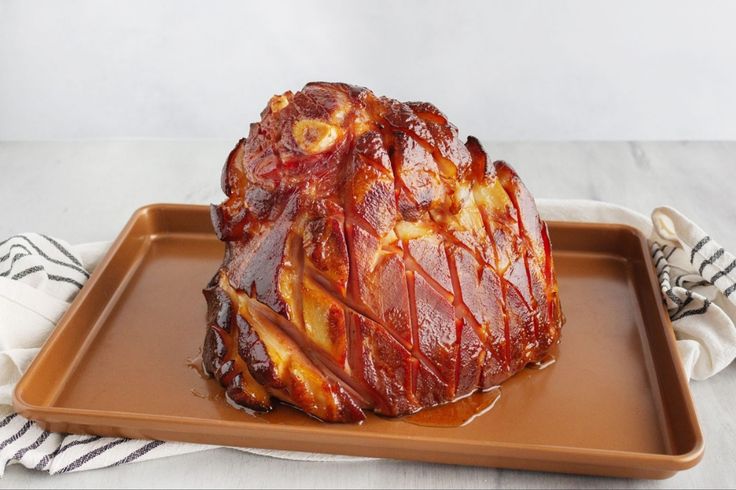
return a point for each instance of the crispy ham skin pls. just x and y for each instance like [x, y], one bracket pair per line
[373, 261]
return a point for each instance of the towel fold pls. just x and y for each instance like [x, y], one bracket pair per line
[40, 275]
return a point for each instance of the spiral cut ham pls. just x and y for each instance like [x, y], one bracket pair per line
[373, 261]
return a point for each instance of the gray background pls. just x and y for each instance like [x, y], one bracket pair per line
[518, 70]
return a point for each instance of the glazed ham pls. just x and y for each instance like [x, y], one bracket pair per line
[373, 261]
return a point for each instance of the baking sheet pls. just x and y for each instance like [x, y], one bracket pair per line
[122, 362]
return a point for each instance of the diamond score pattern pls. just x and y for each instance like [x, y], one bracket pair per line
[374, 261]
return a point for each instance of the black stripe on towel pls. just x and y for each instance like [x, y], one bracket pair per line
[37, 443]
[698, 311]
[722, 273]
[697, 247]
[10, 250]
[140, 452]
[699, 283]
[7, 419]
[63, 250]
[718, 253]
[730, 290]
[17, 256]
[688, 280]
[43, 254]
[46, 459]
[54, 277]
[91, 455]
[681, 307]
[25, 272]
[17, 435]
[673, 297]
[8, 239]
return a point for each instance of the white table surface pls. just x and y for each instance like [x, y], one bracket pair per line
[85, 191]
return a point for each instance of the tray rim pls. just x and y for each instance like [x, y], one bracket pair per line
[666, 464]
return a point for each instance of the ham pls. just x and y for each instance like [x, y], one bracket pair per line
[373, 261]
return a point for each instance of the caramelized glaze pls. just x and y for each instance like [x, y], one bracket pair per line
[373, 261]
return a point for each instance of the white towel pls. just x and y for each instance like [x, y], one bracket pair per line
[40, 275]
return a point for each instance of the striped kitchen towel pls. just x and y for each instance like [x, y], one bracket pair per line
[697, 278]
[40, 275]
[698, 281]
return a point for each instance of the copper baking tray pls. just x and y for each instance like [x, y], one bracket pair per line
[615, 402]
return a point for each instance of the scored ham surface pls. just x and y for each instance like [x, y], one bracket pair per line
[373, 261]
